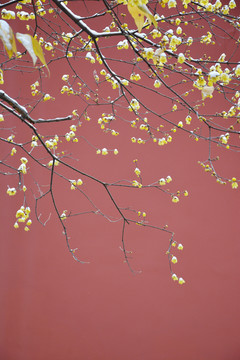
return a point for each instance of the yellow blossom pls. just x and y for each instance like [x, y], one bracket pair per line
[180, 247]
[181, 58]
[181, 281]
[11, 191]
[162, 181]
[104, 151]
[137, 171]
[168, 179]
[234, 183]
[175, 199]
[188, 120]
[13, 151]
[157, 83]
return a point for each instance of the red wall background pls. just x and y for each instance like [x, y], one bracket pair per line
[55, 308]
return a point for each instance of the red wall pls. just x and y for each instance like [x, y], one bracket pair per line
[55, 308]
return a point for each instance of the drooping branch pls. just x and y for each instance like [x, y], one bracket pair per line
[24, 115]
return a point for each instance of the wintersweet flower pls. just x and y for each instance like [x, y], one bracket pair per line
[24, 160]
[63, 216]
[181, 281]
[104, 151]
[65, 77]
[179, 30]
[73, 128]
[180, 247]
[168, 179]
[11, 191]
[234, 183]
[22, 168]
[73, 184]
[135, 183]
[10, 138]
[232, 4]
[174, 277]
[162, 181]
[174, 260]
[90, 57]
[181, 58]
[157, 83]
[137, 171]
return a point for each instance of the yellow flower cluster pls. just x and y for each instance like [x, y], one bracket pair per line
[34, 87]
[135, 183]
[206, 39]
[56, 163]
[135, 77]
[164, 181]
[34, 141]
[23, 15]
[71, 135]
[8, 14]
[224, 138]
[180, 280]
[134, 105]
[51, 143]
[174, 260]
[138, 141]
[75, 183]
[122, 45]
[107, 119]
[22, 216]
